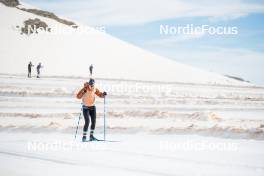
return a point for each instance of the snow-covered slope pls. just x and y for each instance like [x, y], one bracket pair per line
[71, 54]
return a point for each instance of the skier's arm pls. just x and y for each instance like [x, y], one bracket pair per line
[100, 94]
[81, 93]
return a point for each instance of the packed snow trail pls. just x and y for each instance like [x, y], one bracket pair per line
[136, 154]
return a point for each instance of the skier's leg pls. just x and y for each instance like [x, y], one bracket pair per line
[86, 125]
[92, 113]
[38, 73]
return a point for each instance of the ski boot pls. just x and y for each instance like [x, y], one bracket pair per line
[92, 138]
[84, 139]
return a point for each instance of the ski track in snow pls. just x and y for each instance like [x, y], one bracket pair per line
[102, 166]
[136, 155]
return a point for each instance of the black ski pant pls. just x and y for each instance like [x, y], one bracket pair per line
[38, 73]
[29, 73]
[89, 111]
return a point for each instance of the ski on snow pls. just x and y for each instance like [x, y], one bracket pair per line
[100, 140]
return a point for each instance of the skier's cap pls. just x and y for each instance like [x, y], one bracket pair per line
[91, 82]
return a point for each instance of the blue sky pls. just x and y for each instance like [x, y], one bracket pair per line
[139, 21]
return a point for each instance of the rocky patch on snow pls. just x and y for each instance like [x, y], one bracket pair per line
[10, 3]
[34, 26]
[46, 14]
[50, 15]
[237, 78]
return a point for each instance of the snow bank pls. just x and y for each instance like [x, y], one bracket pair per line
[49, 104]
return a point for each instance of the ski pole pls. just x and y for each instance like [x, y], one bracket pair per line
[104, 119]
[78, 124]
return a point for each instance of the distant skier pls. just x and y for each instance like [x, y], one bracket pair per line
[38, 70]
[91, 70]
[87, 94]
[30, 65]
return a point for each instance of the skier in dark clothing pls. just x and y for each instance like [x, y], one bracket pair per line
[29, 69]
[91, 70]
[87, 94]
[38, 69]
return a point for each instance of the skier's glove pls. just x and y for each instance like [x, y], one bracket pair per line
[104, 93]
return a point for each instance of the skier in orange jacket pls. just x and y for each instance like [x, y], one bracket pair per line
[88, 94]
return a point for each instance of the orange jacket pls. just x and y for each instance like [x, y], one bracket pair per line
[87, 95]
